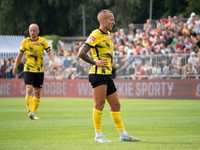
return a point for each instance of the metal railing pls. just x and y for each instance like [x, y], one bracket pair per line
[133, 67]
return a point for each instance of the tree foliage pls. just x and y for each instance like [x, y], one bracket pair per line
[64, 17]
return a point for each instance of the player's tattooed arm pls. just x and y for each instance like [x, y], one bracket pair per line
[83, 54]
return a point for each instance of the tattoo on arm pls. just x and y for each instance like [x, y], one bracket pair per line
[83, 54]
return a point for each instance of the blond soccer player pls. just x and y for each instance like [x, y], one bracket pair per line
[100, 75]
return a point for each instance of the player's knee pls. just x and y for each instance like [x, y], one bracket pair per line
[29, 91]
[37, 93]
[99, 106]
[118, 106]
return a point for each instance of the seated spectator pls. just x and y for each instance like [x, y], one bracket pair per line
[181, 19]
[164, 20]
[138, 34]
[130, 50]
[68, 60]
[182, 40]
[164, 48]
[47, 74]
[176, 64]
[191, 72]
[185, 30]
[122, 34]
[192, 32]
[165, 71]
[148, 22]
[148, 66]
[177, 44]
[60, 51]
[176, 37]
[132, 28]
[193, 60]
[192, 17]
[156, 71]
[117, 38]
[187, 43]
[137, 62]
[145, 42]
[126, 63]
[198, 63]
[166, 60]
[131, 36]
[168, 39]
[139, 74]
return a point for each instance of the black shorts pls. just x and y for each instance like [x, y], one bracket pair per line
[97, 79]
[35, 79]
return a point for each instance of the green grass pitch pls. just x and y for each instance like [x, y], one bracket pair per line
[66, 124]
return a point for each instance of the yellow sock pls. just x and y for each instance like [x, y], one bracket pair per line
[29, 103]
[36, 103]
[117, 118]
[97, 118]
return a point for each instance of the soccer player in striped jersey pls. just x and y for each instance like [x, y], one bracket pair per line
[33, 47]
[100, 75]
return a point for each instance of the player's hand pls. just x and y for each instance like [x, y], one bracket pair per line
[14, 72]
[54, 65]
[101, 63]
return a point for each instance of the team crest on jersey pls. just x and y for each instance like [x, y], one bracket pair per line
[108, 36]
[91, 39]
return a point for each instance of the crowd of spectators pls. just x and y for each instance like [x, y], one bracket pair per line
[170, 48]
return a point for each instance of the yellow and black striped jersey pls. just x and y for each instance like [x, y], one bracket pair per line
[102, 47]
[34, 51]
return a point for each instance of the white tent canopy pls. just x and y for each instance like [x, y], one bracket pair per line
[10, 45]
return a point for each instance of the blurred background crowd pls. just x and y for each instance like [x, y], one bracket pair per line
[168, 48]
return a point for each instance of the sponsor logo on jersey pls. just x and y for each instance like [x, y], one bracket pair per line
[34, 42]
[91, 39]
[108, 36]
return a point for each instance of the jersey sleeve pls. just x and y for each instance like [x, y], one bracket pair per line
[92, 40]
[23, 46]
[46, 46]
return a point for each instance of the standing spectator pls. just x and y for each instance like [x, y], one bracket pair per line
[9, 68]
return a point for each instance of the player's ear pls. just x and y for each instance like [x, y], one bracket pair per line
[38, 31]
[102, 20]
